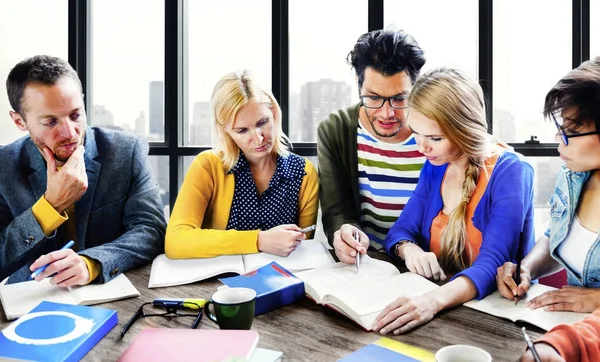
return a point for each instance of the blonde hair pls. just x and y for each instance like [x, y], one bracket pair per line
[456, 103]
[232, 92]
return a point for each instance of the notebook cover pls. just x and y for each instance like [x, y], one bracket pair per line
[275, 287]
[201, 345]
[56, 332]
[386, 349]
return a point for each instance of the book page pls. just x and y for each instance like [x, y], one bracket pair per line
[373, 296]
[322, 281]
[498, 306]
[118, 288]
[309, 254]
[167, 272]
[548, 320]
[20, 298]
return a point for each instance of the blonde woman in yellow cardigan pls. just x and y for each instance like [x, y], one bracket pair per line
[249, 193]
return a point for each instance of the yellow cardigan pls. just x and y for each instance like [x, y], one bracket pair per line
[197, 225]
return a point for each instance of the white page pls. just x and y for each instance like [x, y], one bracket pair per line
[498, 306]
[167, 272]
[309, 254]
[548, 320]
[328, 279]
[20, 298]
[373, 296]
[118, 288]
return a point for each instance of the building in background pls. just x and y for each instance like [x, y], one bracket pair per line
[317, 100]
[157, 110]
[199, 131]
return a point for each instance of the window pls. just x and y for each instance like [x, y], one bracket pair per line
[322, 33]
[594, 28]
[222, 37]
[532, 51]
[160, 173]
[546, 172]
[29, 28]
[445, 30]
[128, 66]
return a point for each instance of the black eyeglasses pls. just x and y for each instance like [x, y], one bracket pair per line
[564, 136]
[374, 102]
[171, 310]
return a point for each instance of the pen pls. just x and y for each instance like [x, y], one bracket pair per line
[530, 345]
[357, 238]
[309, 228]
[190, 303]
[518, 281]
[41, 269]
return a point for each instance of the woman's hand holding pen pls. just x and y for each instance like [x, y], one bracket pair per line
[280, 240]
[505, 280]
[421, 262]
[546, 353]
[346, 246]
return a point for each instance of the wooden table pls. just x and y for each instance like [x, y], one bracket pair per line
[306, 331]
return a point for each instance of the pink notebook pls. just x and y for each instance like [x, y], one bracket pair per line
[168, 344]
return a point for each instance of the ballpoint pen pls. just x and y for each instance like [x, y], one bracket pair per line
[357, 238]
[41, 269]
[518, 281]
[309, 228]
[530, 345]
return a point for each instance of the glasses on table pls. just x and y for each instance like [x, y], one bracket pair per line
[170, 311]
[398, 101]
[559, 122]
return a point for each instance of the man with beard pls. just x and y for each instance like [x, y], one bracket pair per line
[369, 162]
[66, 181]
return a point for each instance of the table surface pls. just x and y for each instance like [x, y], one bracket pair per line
[306, 331]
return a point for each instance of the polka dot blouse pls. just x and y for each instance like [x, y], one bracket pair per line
[277, 205]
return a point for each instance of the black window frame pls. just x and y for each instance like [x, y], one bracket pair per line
[175, 69]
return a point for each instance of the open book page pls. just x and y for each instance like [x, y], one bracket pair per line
[166, 272]
[322, 281]
[20, 298]
[498, 306]
[366, 299]
[118, 288]
[309, 254]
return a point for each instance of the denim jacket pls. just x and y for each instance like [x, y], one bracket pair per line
[563, 204]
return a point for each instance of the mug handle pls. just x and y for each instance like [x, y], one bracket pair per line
[207, 312]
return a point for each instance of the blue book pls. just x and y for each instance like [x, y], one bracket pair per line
[386, 349]
[56, 332]
[275, 286]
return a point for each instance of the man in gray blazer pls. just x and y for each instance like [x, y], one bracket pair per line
[67, 181]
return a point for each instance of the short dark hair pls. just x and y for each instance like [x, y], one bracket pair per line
[43, 69]
[578, 92]
[387, 51]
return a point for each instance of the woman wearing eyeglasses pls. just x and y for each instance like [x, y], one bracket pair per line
[472, 209]
[571, 241]
[250, 193]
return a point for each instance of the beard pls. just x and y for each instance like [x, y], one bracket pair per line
[386, 134]
[61, 157]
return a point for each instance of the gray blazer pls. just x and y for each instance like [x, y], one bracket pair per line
[120, 222]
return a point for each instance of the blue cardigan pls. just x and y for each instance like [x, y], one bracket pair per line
[504, 216]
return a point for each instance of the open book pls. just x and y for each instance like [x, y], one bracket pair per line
[20, 298]
[498, 306]
[362, 296]
[166, 272]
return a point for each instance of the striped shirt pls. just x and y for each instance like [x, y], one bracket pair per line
[387, 176]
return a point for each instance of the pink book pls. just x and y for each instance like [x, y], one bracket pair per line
[169, 344]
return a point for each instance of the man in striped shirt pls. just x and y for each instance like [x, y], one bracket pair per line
[369, 163]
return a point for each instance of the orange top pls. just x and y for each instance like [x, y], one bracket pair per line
[576, 342]
[474, 237]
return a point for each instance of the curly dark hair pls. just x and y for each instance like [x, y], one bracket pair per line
[387, 51]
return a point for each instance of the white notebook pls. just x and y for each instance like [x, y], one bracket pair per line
[20, 298]
[166, 272]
